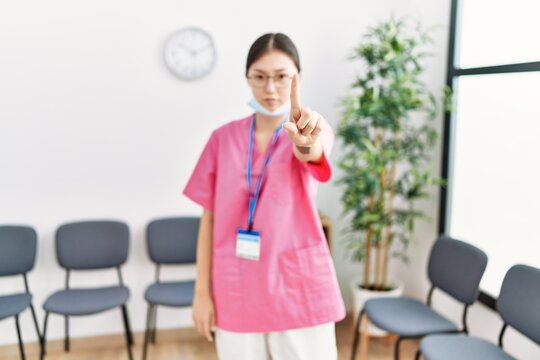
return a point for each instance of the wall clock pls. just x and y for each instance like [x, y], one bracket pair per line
[190, 53]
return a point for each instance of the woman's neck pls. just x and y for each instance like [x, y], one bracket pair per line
[267, 124]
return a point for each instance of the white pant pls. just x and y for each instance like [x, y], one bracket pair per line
[310, 343]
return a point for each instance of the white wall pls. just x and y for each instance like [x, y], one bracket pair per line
[92, 125]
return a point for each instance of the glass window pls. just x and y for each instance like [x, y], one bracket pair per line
[498, 32]
[494, 195]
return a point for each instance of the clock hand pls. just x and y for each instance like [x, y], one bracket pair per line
[187, 48]
[204, 48]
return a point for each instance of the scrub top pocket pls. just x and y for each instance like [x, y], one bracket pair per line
[308, 276]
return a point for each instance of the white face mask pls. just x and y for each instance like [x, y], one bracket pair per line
[280, 111]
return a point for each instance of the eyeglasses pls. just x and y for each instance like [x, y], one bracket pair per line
[260, 81]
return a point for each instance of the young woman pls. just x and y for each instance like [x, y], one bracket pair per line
[265, 279]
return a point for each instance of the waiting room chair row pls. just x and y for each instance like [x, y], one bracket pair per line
[93, 245]
[456, 268]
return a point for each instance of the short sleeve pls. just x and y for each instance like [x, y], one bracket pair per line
[201, 185]
[322, 171]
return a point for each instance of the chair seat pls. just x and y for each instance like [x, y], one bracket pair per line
[11, 305]
[171, 293]
[462, 347]
[86, 301]
[407, 317]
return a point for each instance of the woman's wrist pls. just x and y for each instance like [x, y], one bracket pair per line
[309, 153]
[304, 149]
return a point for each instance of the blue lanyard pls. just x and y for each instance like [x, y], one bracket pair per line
[254, 196]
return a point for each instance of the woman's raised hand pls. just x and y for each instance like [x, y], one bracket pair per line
[304, 125]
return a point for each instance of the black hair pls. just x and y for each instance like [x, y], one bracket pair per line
[269, 42]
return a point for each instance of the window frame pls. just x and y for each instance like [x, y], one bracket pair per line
[452, 75]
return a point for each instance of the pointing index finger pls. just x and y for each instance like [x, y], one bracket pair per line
[295, 99]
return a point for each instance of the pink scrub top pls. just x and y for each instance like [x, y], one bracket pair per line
[293, 284]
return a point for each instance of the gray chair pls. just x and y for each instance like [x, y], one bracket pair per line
[519, 306]
[171, 241]
[18, 246]
[456, 268]
[90, 245]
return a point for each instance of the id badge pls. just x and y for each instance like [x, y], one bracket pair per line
[248, 244]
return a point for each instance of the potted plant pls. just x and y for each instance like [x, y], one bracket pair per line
[388, 135]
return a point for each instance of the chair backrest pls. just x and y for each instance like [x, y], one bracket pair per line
[519, 300]
[173, 240]
[457, 268]
[89, 245]
[18, 246]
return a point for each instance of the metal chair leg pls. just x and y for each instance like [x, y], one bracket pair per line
[356, 335]
[21, 345]
[66, 340]
[154, 324]
[44, 338]
[36, 325]
[129, 338]
[147, 331]
[127, 325]
[396, 348]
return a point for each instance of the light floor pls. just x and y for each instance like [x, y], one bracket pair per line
[186, 345]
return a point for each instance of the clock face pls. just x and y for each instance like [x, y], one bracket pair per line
[190, 53]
